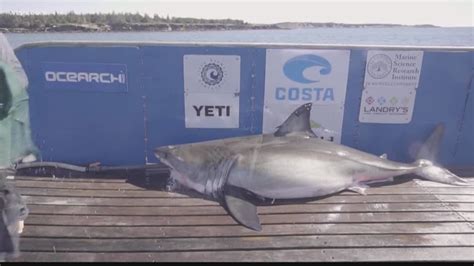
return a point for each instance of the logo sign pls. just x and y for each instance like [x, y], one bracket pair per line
[385, 105]
[391, 79]
[394, 69]
[211, 91]
[94, 77]
[211, 74]
[295, 67]
[218, 111]
[294, 77]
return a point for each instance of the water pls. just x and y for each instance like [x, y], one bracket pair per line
[360, 36]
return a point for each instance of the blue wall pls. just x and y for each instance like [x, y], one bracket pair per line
[123, 127]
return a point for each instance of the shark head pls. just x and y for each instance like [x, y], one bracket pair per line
[205, 166]
[178, 157]
[201, 167]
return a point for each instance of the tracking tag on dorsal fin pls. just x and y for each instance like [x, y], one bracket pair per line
[383, 156]
[298, 121]
[242, 210]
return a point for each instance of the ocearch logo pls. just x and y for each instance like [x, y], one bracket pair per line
[75, 77]
[94, 77]
[296, 69]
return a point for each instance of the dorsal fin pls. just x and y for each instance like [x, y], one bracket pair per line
[298, 121]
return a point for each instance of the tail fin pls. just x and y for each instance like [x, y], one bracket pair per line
[426, 157]
[439, 174]
[429, 150]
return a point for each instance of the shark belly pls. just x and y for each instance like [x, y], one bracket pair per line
[287, 175]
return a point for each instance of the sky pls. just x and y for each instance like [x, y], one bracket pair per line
[448, 13]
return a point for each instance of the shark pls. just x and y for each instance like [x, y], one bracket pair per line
[290, 163]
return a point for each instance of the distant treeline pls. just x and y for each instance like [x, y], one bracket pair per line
[71, 22]
[100, 21]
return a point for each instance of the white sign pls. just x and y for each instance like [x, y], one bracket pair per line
[295, 76]
[211, 91]
[218, 111]
[211, 73]
[387, 105]
[393, 69]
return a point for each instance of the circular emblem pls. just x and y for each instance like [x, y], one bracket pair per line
[379, 66]
[212, 74]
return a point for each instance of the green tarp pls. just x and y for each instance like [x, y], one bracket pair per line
[15, 134]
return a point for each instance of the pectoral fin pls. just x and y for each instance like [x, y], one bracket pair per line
[389, 179]
[243, 211]
[358, 188]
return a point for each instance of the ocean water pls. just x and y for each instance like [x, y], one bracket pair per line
[347, 36]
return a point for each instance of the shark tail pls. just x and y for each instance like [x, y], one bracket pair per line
[441, 175]
[427, 156]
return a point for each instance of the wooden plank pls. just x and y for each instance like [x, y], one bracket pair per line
[101, 194]
[219, 210]
[361, 254]
[99, 185]
[74, 179]
[243, 243]
[227, 220]
[310, 255]
[48, 231]
[162, 194]
[180, 201]
[75, 185]
[426, 183]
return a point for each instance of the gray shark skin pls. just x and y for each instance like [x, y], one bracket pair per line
[288, 164]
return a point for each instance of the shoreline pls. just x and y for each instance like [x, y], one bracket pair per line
[179, 27]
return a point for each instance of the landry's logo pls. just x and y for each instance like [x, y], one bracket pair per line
[384, 106]
[212, 74]
[306, 70]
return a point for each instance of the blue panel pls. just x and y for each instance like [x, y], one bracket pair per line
[82, 118]
[464, 153]
[75, 127]
[355, 85]
[163, 76]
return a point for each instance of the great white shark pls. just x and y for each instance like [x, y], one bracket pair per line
[288, 164]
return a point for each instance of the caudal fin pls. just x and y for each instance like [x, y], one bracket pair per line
[441, 175]
[429, 150]
[427, 156]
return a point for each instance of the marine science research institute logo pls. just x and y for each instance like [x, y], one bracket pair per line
[379, 66]
[306, 70]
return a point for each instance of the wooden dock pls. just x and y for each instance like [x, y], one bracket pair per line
[127, 219]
